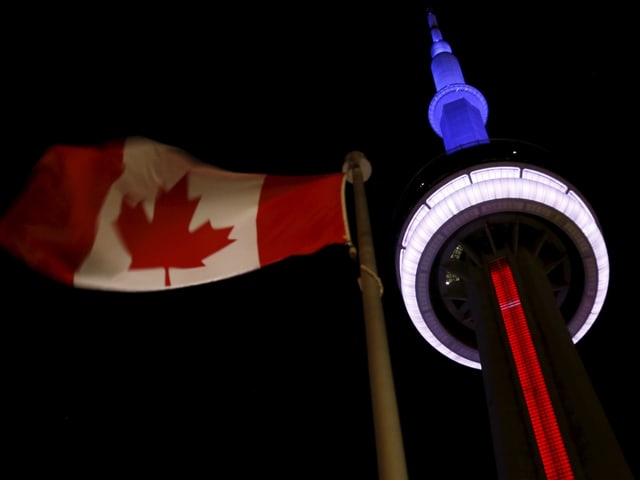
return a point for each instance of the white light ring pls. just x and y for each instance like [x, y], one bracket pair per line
[468, 201]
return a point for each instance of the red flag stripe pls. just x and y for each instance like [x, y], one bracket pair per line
[292, 208]
[49, 226]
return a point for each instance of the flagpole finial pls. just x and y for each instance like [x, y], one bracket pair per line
[356, 159]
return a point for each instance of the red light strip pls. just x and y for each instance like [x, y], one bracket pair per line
[545, 426]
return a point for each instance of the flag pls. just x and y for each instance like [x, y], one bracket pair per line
[138, 215]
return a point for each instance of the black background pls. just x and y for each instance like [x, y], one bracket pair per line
[265, 374]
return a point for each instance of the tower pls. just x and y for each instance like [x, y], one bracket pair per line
[502, 267]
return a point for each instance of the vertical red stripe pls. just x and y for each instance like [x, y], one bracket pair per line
[545, 426]
[299, 215]
[52, 225]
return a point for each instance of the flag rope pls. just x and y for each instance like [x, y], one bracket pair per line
[375, 276]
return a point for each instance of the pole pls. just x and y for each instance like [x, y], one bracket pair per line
[388, 435]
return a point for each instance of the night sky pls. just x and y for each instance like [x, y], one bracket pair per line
[265, 374]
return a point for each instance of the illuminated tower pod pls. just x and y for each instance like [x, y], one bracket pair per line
[502, 267]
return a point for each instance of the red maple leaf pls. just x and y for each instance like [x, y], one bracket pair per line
[166, 241]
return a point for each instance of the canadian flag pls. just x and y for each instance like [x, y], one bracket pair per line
[138, 215]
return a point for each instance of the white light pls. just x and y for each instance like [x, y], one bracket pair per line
[543, 178]
[447, 189]
[543, 195]
[417, 217]
[494, 172]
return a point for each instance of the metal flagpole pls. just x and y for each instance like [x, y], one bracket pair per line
[388, 435]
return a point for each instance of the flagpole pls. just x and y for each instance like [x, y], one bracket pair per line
[388, 435]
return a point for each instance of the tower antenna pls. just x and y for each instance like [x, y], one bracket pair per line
[458, 112]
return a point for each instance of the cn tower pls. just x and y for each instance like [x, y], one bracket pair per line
[503, 268]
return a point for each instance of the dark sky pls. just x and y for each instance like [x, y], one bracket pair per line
[266, 374]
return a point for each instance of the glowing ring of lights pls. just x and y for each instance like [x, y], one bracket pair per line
[452, 92]
[484, 190]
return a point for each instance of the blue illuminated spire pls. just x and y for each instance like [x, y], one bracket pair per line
[458, 112]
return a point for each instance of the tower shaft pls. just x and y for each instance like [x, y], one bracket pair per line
[523, 428]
